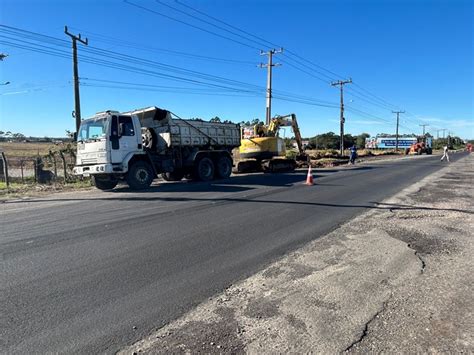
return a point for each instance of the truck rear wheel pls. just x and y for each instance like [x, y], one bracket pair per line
[223, 167]
[103, 183]
[204, 169]
[174, 176]
[139, 176]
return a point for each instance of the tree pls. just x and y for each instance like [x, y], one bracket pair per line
[327, 140]
[349, 141]
[360, 140]
[215, 119]
[18, 136]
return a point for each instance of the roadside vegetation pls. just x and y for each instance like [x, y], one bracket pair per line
[36, 167]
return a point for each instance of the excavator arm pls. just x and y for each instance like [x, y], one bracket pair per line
[287, 121]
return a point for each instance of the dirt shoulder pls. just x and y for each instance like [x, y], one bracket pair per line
[395, 279]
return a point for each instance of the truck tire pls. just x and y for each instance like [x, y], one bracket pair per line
[407, 151]
[204, 169]
[174, 176]
[139, 176]
[223, 167]
[104, 183]
[429, 151]
[419, 151]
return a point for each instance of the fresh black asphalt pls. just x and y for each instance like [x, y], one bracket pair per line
[90, 272]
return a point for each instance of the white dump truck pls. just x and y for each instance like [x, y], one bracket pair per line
[138, 146]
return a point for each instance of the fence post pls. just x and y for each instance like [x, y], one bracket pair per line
[5, 169]
[64, 165]
[55, 167]
[21, 169]
[35, 166]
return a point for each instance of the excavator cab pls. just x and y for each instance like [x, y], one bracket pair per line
[262, 149]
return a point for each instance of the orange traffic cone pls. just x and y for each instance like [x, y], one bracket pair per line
[309, 177]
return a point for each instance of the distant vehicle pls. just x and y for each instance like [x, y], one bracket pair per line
[136, 146]
[422, 145]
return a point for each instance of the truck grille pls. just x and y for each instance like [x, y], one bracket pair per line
[89, 161]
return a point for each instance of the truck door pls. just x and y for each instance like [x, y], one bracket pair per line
[127, 139]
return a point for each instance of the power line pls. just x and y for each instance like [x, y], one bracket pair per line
[127, 58]
[111, 40]
[269, 44]
[188, 24]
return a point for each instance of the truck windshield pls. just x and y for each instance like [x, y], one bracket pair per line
[92, 129]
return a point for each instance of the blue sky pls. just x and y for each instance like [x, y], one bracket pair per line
[414, 55]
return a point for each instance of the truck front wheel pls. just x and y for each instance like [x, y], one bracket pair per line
[139, 176]
[204, 169]
[103, 183]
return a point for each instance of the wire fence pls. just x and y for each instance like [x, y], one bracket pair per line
[55, 167]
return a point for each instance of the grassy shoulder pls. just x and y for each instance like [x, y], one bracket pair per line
[19, 190]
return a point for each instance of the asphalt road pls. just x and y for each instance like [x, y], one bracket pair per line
[91, 272]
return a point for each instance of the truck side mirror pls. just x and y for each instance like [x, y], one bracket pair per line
[74, 136]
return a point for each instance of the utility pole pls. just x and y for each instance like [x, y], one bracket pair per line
[444, 131]
[269, 65]
[341, 84]
[437, 133]
[423, 125]
[77, 101]
[398, 122]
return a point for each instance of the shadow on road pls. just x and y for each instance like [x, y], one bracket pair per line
[255, 199]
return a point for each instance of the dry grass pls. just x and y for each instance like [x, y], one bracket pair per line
[27, 149]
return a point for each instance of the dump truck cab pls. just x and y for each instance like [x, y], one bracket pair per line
[106, 142]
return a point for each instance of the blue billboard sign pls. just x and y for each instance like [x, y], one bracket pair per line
[392, 142]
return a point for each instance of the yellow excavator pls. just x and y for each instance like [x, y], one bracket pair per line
[261, 148]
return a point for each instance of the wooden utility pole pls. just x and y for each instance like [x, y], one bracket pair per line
[341, 84]
[77, 101]
[398, 123]
[423, 125]
[269, 65]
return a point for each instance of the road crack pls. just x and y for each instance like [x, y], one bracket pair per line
[365, 331]
[417, 254]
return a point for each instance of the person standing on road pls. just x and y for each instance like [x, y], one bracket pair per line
[445, 153]
[353, 156]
